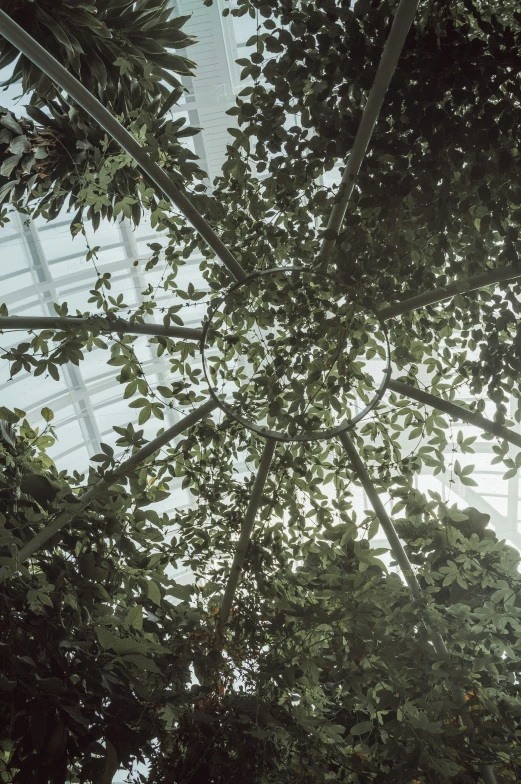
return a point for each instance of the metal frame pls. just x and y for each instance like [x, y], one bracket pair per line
[98, 324]
[245, 536]
[123, 470]
[55, 71]
[407, 570]
[392, 50]
[395, 544]
[456, 411]
[312, 435]
[386, 68]
[501, 275]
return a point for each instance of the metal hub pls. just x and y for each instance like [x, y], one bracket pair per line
[292, 356]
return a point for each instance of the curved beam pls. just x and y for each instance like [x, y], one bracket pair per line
[456, 411]
[55, 71]
[400, 556]
[389, 530]
[245, 535]
[439, 295]
[390, 56]
[125, 468]
[98, 323]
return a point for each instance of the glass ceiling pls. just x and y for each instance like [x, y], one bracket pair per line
[42, 264]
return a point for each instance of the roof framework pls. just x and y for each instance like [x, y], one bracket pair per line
[68, 83]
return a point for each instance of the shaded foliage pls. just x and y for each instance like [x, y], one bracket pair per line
[122, 53]
[119, 49]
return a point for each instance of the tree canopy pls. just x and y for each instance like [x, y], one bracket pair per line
[325, 670]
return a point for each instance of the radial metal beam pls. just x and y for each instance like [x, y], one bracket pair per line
[98, 323]
[245, 535]
[462, 287]
[389, 530]
[391, 53]
[405, 565]
[456, 411]
[55, 71]
[124, 469]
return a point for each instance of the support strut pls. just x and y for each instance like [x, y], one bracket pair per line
[456, 412]
[434, 296]
[390, 56]
[245, 535]
[400, 556]
[55, 71]
[124, 469]
[98, 324]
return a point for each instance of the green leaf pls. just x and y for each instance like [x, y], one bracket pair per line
[51, 685]
[9, 122]
[106, 638]
[47, 414]
[373, 528]
[19, 145]
[362, 727]
[142, 662]
[53, 371]
[134, 617]
[111, 763]
[9, 165]
[8, 416]
[153, 592]
[182, 592]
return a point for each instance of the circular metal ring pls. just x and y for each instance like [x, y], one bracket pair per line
[311, 435]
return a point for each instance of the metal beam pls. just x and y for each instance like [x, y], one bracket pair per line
[405, 565]
[124, 469]
[55, 71]
[396, 546]
[456, 411]
[460, 287]
[391, 53]
[98, 323]
[245, 535]
[45, 290]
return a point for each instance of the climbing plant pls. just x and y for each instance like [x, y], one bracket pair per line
[325, 670]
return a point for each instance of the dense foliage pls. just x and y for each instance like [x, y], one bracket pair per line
[121, 52]
[326, 672]
[88, 658]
